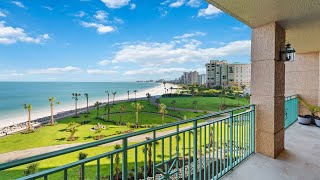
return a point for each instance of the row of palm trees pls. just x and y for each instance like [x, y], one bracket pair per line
[75, 96]
[28, 107]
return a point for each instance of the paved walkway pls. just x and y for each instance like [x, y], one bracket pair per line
[15, 155]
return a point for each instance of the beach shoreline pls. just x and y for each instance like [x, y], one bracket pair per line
[41, 117]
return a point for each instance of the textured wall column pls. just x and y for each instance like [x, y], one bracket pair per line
[302, 77]
[267, 86]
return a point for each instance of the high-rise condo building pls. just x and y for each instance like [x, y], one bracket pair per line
[220, 73]
[190, 77]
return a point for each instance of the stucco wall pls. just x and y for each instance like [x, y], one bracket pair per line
[302, 77]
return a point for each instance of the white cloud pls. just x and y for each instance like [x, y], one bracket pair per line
[209, 11]
[132, 6]
[151, 71]
[80, 14]
[177, 4]
[237, 28]
[116, 67]
[100, 71]
[115, 3]
[2, 14]
[101, 15]
[48, 8]
[10, 35]
[101, 29]
[194, 3]
[159, 54]
[19, 4]
[188, 35]
[103, 62]
[67, 69]
[118, 20]
[165, 2]
[10, 75]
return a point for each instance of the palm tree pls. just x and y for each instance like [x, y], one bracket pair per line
[31, 169]
[28, 107]
[149, 150]
[171, 88]
[97, 105]
[122, 109]
[98, 131]
[87, 98]
[164, 84]
[148, 96]
[195, 103]
[114, 95]
[163, 111]
[75, 97]
[174, 104]
[117, 160]
[128, 95]
[238, 97]
[81, 156]
[51, 101]
[108, 108]
[70, 126]
[108, 95]
[135, 95]
[158, 101]
[192, 90]
[247, 96]
[138, 107]
[73, 130]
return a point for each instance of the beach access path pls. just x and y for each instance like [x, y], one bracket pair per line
[16, 155]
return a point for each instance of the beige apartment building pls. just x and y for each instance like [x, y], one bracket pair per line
[221, 73]
[241, 75]
[191, 77]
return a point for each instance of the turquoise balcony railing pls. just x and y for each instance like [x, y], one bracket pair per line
[291, 110]
[206, 147]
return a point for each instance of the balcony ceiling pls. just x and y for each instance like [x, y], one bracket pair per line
[300, 18]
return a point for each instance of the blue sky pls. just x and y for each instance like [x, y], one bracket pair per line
[114, 40]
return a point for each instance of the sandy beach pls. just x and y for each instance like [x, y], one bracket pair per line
[158, 90]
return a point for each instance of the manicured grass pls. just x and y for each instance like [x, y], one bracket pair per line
[152, 119]
[219, 132]
[56, 135]
[204, 103]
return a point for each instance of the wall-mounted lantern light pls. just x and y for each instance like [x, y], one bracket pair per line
[287, 53]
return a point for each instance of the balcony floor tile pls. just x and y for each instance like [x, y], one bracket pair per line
[299, 161]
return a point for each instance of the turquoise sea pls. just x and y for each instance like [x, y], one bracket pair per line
[14, 94]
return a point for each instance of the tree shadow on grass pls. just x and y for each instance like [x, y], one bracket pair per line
[61, 139]
[88, 137]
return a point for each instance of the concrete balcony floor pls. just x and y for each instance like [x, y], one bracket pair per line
[299, 161]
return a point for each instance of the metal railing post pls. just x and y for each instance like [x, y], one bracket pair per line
[195, 153]
[231, 140]
[253, 121]
[125, 159]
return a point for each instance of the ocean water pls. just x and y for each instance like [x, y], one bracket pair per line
[14, 94]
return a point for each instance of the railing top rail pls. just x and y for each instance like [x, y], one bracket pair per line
[291, 97]
[109, 140]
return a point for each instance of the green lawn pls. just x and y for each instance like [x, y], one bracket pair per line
[152, 119]
[162, 149]
[56, 135]
[204, 103]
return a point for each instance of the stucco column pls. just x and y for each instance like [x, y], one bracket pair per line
[267, 87]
